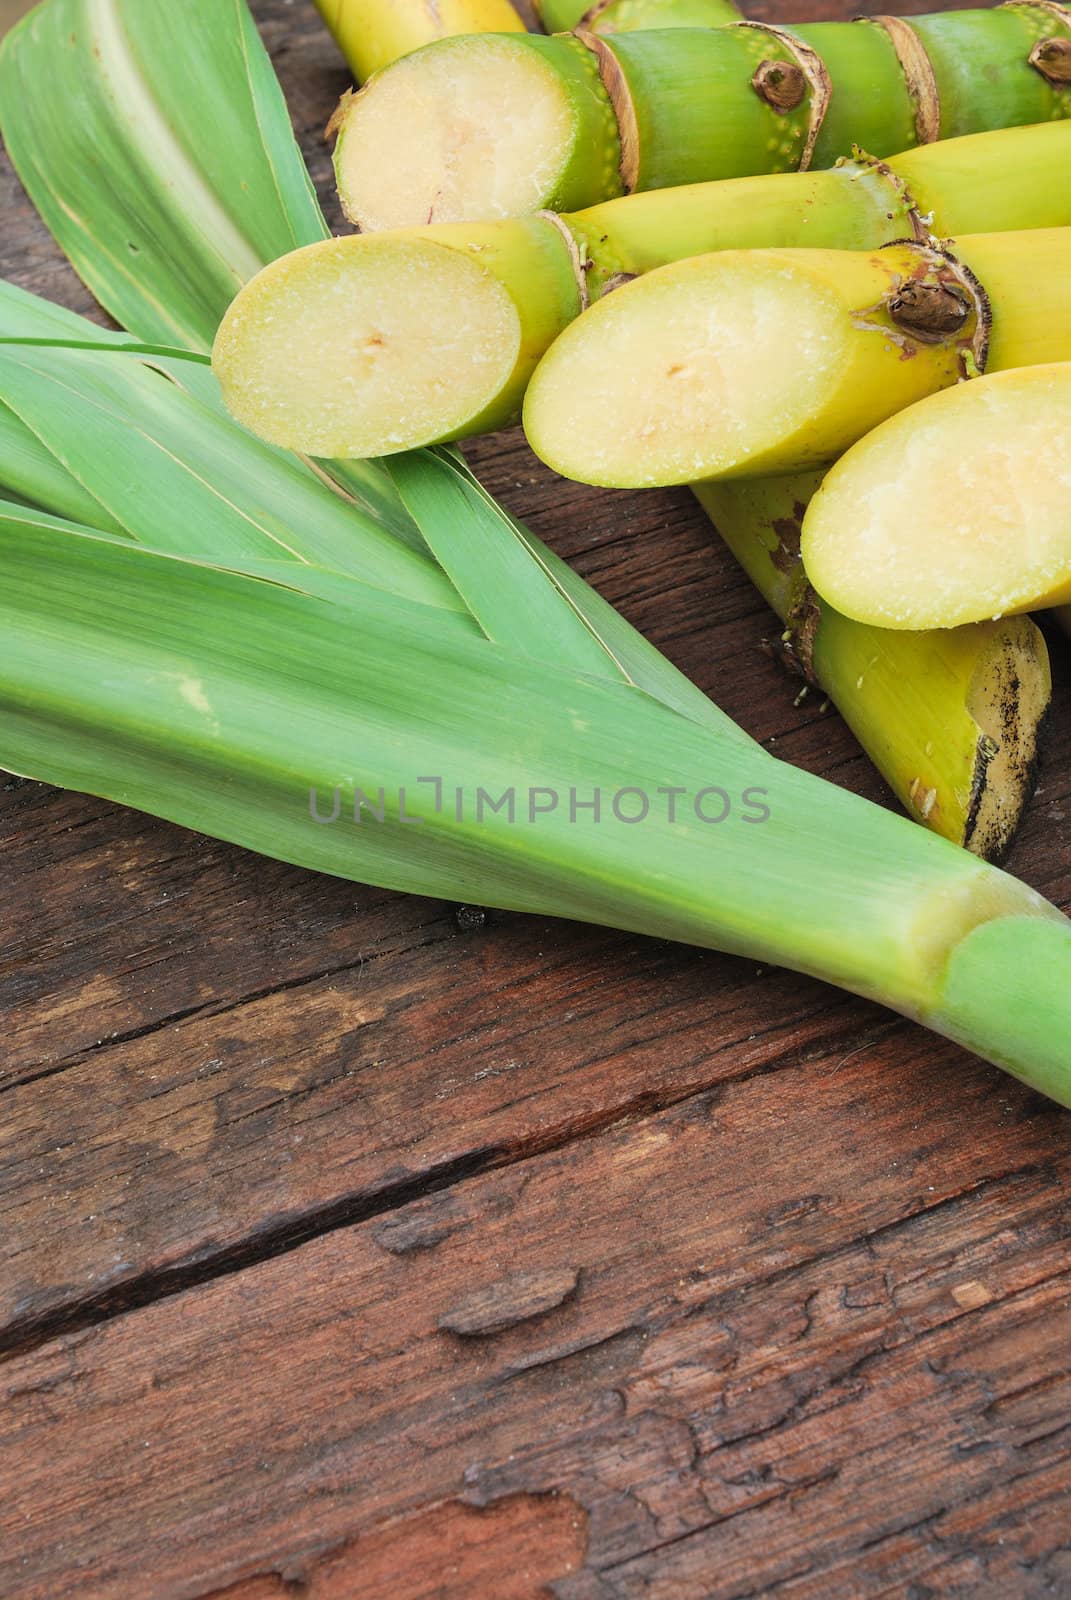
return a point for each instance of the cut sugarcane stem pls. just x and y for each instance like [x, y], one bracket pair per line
[628, 16]
[425, 143]
[373, 33]
[950, 717]
[369, 346]
[481, 129]
[512, 286]
[956, 510]
[753, 362]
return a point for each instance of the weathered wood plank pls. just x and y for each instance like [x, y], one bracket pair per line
[799, 1350]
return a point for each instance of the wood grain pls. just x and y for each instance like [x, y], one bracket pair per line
[353, 1247]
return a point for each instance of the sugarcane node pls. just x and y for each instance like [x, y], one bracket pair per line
[621, 104]
[906, 206]
[782, 84]
[579, 260]
[1052, 58]
[816, 76]
[794, 648]
[929, 311]
[786, 553]
[918, 73]
[618, 281]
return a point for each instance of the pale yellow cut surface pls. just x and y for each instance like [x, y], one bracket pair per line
[693, 370]
[955, 510]
[359, 347]
[471, 130]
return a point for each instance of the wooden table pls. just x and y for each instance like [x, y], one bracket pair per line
[354, 1247]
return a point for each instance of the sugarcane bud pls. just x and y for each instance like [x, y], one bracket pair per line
[929, 311]
[782, 84]
[1052, 58]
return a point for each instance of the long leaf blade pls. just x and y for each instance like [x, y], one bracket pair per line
[171, 113]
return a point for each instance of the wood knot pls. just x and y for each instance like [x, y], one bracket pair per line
[782, 84]
[1052, 58]
[929, 311]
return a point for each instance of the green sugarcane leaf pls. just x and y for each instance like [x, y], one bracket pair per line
[155, 142]
[112, 42]
[222, 701]
[31, 473]
[502, 584]
[634, 659]
[173, 471]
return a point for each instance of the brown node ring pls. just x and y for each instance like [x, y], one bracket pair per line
[918, 76]
[593, 13]
[782, 84]
[1052, 58]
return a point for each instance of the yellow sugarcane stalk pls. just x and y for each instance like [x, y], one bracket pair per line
[373, 33]
[459, 313]
[950, 717]
[752, 362]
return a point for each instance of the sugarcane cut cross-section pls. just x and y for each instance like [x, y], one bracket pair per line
[955, 510]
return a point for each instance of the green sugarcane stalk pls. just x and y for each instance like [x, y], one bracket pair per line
[627, 16]
[502, 125]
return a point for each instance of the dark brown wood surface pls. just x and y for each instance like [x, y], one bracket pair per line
[354, 1249]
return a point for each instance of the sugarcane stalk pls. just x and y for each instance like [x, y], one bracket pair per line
[477, 129]
[373, 33]
[950, 717]
[514, 285]
[957, 509]
[626, 16]
[753, 362]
